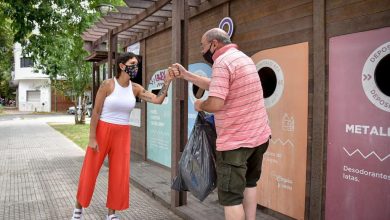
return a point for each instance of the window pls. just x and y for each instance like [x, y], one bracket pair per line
[26, 62]
[33, 96]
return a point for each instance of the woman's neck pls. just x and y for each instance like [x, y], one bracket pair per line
[123, 81]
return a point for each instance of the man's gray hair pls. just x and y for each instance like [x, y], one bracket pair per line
[217, 34]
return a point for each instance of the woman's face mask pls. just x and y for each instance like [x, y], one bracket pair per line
[132, 70]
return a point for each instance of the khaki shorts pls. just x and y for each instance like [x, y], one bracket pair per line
[236, 170]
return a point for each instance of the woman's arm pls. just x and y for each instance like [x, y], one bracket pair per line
[101, 95]
[147, 96]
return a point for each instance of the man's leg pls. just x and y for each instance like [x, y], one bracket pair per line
[231, 170]
[254, 163]
[250, 203]
[235, 212]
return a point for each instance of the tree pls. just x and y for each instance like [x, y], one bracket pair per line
[57, 48]
[6, 55]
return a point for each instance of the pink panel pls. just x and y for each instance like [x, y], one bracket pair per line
[358, 155]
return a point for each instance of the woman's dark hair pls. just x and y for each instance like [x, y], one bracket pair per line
[123, 58]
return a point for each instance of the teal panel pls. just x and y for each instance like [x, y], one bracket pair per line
[201, 69]
[159, 123]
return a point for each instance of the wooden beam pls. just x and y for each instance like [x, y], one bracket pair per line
[87, 37]
[94, 33]
[193, 3]
[120, 15]
[115, 54]
[130, 16]
[205, 6]
[156, 19]
[90, 36]
[115, 20]
[98, 76]
[102, 62]
[167, 7]
[128, 33]
[149, 23]
[180, 91]
[130, 11]
[139, 11]
[138, 4]
[105, 22]
[144, 84]
[97, 29]
[140, 17]
[141, 27]
[153, 31]
[135, 30]
[317, 149]
[100, 25]
[110, 51]
[94, 89]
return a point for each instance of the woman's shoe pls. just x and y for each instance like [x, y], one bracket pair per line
[77, 214]
[112, 217]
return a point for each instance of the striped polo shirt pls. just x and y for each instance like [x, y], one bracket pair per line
[243, 120]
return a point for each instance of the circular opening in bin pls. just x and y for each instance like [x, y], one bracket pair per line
[195, 90]
[382, 75]
[268, 81]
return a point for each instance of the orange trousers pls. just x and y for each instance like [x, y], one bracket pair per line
[113, 140]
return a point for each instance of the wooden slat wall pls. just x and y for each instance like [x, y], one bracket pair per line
[138, 143]
[138, 134]
[158, 51]
[268, 24]
[351, 16]
[197, 27]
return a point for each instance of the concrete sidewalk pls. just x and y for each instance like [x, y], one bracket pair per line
[39, 171]
[156, 181]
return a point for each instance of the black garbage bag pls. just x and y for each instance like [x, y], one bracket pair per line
[178, 183]
[197, 172]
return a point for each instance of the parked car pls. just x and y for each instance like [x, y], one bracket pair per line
[72, 110]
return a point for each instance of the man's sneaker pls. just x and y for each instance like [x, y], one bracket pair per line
[77, 214]
[112, 217]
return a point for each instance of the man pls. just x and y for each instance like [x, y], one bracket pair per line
[236, 99]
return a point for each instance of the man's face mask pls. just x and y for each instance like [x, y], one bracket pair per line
[208, 56]
[132, 70]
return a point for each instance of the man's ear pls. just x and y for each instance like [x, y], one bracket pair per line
[215, 43]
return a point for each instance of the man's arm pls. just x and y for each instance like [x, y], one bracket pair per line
[211, 104]
[181, 72]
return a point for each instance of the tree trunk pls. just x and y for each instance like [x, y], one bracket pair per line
[83, 110]
[76, 117]
[80, 113]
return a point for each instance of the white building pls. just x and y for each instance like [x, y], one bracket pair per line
[33, 91]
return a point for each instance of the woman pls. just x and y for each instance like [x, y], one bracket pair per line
[110, 134]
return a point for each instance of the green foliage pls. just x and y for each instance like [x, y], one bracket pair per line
[6, 53]
[49, 31]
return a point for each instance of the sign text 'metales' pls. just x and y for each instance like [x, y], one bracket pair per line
[367, 130]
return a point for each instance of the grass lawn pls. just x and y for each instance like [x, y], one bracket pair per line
[79, 134]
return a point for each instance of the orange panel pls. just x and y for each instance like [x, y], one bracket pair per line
[283, 180]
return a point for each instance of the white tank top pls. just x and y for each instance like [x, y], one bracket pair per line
[118, 105]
